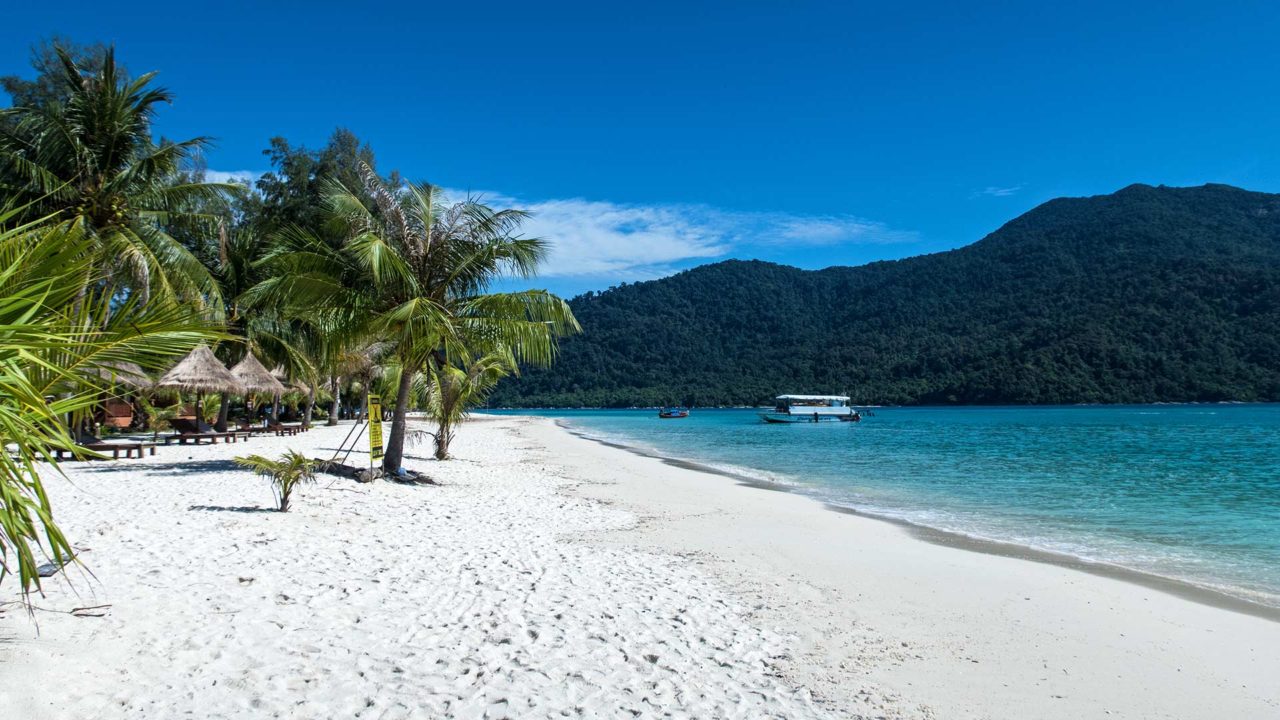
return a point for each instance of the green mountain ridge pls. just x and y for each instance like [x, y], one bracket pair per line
[1149, 294]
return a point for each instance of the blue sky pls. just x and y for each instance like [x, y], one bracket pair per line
[653, 137]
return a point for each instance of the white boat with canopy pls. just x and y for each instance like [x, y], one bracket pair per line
[812, 409]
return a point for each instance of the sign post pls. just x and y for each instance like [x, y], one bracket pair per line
[375, 430]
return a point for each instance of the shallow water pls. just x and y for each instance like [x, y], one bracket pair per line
[1190, 492]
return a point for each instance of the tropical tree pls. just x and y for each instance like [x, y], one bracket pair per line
[286, 474]
[261, 331]
[86, 156]
[431, 264]
[58, 348]
[293, 193]
[454, 391]
[159, 417]
[415, 272]
[46, 87]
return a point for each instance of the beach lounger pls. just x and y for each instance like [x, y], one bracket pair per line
[273, 428]
[195, 432]
[88, 441]
[282, 429]
[244, 427]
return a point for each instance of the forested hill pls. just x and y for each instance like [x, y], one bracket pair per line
[1146, 295]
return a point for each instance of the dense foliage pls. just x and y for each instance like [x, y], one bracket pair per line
[117, 258]
[1146, 295]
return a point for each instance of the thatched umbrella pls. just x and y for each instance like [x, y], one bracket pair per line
[283, 377]
[200, 371]
[127, 374]
[255, 377]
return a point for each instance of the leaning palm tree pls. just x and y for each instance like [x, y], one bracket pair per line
[91, 161]
[415, 272]
[58, 346]
[454, 391]
[431, 264]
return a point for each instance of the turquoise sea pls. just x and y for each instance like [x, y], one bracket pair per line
[1189, 492]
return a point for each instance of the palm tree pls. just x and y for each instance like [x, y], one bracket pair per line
[431, 265]
[90, 160]
[286, 474]
[317, 287]
[454, 391]
[238, 250]
[158, 418]
[415, 272]
[57, 345]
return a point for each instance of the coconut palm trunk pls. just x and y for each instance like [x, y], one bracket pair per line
[417, 273]
[336, 387]
[394, 454]
[311, 404]
[444, 436]
[224, 409]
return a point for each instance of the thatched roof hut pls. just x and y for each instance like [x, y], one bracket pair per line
[126, 373]
[254, 377]
[283, 377]
[200, 371]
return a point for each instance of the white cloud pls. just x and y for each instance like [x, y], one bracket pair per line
[833, 230]
[633, 242]
[623, 241]
[995, 191]
[601, 238]
[240, 176]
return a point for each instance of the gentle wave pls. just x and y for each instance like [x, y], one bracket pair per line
[1021, 477]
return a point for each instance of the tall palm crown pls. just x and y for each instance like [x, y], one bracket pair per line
[90, 160]
[432, 264]
[415, 271]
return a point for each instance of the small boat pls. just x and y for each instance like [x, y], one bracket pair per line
[812, 409]
[672, 413]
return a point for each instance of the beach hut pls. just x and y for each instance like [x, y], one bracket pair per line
[294, 385]
[283, 377]
[256, 378]
[118, 411]
[127, 374]
[200, 372]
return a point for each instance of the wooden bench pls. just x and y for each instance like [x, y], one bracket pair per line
[130, 449]
[282, 429]
[213, 437]
[194, 431]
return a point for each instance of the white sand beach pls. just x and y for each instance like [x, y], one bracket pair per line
[550, 576]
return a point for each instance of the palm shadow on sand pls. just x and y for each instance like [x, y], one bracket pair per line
[175, 468]
[233, 508]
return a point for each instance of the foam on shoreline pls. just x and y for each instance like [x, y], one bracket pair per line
[948, 631]
[1220, 596]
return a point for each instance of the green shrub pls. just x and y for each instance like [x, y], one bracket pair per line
[292, 469]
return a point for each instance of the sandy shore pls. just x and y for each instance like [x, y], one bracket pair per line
[552, 576]
[937, 630]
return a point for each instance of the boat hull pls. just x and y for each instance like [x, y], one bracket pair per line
[790, 419]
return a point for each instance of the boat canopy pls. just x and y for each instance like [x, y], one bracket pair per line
[842, 398]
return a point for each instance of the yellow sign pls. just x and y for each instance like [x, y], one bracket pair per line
[375, 428]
